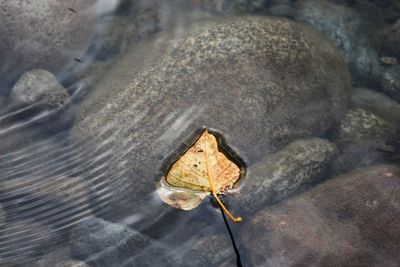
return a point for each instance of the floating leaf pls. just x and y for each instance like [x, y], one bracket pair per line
[202, 170]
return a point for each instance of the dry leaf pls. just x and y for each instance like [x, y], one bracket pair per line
[202, 169]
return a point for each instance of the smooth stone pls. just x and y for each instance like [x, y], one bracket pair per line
[391, 82]
[44, 34]
[39, 87]
[276, 77]
[362, 126]
[367, 131]
[344, 26]
[284, 173]
[38, 98]
[347, 221]
[377, 103]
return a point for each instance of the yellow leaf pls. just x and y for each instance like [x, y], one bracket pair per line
[203, 168]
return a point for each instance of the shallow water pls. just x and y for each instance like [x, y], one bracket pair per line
[58, 171]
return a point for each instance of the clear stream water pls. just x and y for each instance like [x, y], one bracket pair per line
[41, 169]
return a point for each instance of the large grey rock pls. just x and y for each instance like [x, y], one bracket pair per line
[261, 82]
[347, 221]
[344, 26]
[284, 173]
[44, 34]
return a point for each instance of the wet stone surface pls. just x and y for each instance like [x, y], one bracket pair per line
[284, 173]
[347, 221]
[102, 243]
[217, 76]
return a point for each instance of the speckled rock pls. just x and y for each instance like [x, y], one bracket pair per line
[365, 131]
[360, 126]
[377, 103]
[278, 78]
[391, 82]
[284, 173]
[39, 87]
[44, 34]
[347, 221]
[343, 25]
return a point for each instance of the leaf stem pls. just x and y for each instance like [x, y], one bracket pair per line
[213, 191]
[235, 219]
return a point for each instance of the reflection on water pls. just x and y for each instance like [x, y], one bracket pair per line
[79, 165]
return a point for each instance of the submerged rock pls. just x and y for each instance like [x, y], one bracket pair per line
[366, 130]
[344, 27]
[390, 40]
[39, 87]
[363, 126]
[44, 34]
[38, 98]
[377, 103]
[261, 82]
[102, 243]
[347, 221]
[284, 173]
[60, 202]
[372, 119]
[21, 241]
[391, 82]
[59, 258]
